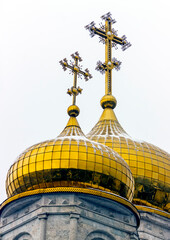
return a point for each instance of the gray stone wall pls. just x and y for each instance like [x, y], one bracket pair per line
[154, 227]
[67, 216]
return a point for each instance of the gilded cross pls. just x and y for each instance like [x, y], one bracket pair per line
[76, 70]
[109, 37]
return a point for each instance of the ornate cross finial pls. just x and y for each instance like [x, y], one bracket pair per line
[76, 70]
[108, 36]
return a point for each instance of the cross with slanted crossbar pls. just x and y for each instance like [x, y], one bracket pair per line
[75, 69]
[109, 37]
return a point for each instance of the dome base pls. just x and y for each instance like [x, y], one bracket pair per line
[89, 191]
[36, 216]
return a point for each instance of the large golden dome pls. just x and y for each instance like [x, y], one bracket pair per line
[149, 164]
[70, 161]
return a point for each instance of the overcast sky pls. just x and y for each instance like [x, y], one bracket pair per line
[36, 34]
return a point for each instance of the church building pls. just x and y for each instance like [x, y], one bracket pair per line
[101, 186]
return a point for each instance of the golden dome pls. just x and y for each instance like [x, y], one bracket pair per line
[149, 164]
[70, 161]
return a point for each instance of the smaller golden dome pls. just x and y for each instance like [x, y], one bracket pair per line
[70, 160]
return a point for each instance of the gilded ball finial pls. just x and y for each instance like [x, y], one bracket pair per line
[108, 101]
[73, 111]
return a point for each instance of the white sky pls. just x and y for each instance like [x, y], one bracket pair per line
[36, 34]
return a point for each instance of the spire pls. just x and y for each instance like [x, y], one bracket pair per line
[72, 128]
[108, 36]
[76, 70]
[145, 160]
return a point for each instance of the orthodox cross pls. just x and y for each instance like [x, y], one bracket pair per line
[76, 70]
[108, 36]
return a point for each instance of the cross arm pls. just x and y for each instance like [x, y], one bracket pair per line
[113, 37]
[70, 67]
[75, 69]
[99, 32]
[65, 65]
[86, 74]
[102, 67]
[118, 40]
